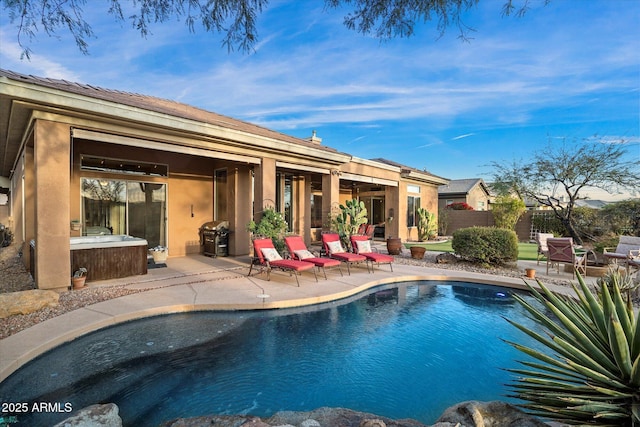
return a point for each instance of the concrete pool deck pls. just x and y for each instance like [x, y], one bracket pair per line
[196, 283]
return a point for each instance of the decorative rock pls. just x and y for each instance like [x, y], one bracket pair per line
[255, 422]
[310, 423]
[25, 302]
[488, 414]
[446, 258]
[372, 423]
[94, 416]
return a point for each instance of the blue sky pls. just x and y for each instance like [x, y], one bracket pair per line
[566, 71]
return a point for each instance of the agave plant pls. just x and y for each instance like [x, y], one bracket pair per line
[594, 376]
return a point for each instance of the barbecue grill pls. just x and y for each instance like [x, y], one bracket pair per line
[214, 238]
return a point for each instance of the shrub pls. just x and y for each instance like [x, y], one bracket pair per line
[272, 225]
[507, 211]
[488, 245]
[460, 206]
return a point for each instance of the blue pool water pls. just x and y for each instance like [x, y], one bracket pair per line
[404, 351]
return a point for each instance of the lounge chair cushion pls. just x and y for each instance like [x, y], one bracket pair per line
[335, 247]
[270, 254]
[364, 246]
[290, 264]
[303, 254]
[379, 258]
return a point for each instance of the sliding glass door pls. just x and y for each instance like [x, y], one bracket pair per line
[125, 207]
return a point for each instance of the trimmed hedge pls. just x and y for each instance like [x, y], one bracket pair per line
[487, 245]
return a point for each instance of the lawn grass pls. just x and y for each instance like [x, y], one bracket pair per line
[526, 251]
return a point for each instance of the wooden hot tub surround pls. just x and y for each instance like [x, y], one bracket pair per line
[109, 256]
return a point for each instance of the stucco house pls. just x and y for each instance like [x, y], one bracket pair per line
[81, 161]
[473, 191]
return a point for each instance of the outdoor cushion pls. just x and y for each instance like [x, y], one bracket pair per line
[379, 258]
[303, 254]
[335, 247]
[270, 254]
[291, 264]
[364, 246]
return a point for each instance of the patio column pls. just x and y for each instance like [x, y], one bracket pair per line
[394, 210]
[264, 187]
[52, 149]
[239, 180]
[330, 193]
[305, 203]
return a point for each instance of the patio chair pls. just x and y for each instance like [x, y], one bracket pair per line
[333, 248]
[626, 251]
[541, 240]
[267, 257]
[362, 246]
[299, 251]
[561, 250]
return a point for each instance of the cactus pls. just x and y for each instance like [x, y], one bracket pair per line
[427, 225]
[352, 215]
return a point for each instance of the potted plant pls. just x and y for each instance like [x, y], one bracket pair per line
[394, 244]
[76, 225]
[79, 278]
[159, 254]
[417, 251]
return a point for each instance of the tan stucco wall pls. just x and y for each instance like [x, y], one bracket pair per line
[52, 188]
[477, 195]
[183, 193]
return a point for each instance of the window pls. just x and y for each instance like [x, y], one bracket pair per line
[316, 210]
[285, 197]
[221, 193]
[124, 207]
[413, 203]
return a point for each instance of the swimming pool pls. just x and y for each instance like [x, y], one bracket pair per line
[409, 350]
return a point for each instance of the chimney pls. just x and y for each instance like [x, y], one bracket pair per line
[314, 138]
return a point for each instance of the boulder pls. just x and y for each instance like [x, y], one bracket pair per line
[25, 302]
[488, 414]
[324, 417]
[94, 416]
[446, 258]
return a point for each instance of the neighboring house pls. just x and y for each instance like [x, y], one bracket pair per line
[82, 160]
[472, 191]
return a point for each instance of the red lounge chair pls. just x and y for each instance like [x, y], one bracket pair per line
[266, 256]
[334, 249]
[362, 245]
[299, 251]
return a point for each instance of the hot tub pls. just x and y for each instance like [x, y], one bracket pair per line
[109, 256]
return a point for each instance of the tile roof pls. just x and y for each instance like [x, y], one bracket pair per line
[460, 186]
[159, 105]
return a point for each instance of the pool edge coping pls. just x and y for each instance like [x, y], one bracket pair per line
[32, 342]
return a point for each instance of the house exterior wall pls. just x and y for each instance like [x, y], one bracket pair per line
[52, 189]
[478, 199]
[46, 180]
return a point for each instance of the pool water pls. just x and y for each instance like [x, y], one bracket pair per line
[409, 350]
